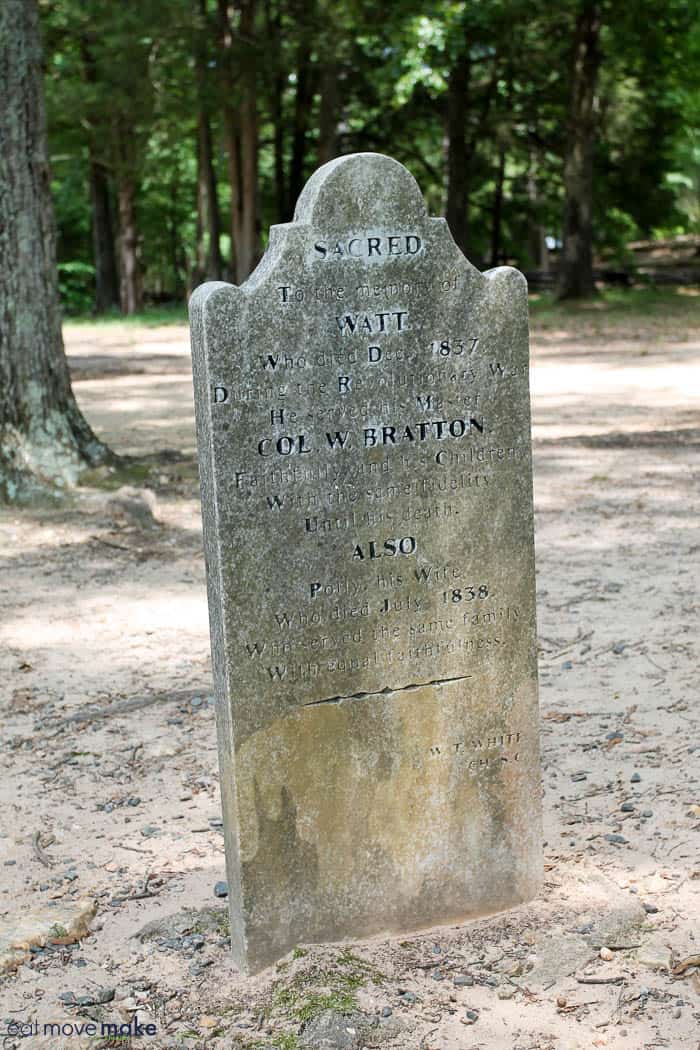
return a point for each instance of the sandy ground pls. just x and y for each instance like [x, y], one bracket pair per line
[110, 786]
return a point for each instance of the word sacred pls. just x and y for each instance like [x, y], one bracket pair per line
[367, 247]
[290, 445]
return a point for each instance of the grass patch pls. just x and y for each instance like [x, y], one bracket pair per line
[310, 992]
[615, 304]
[110, 478]
[287, 1041]
[151, 317]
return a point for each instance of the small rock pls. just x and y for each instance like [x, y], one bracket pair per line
[616, 839]
[135, 801]
[635, 778]
[646, 813]
[579, 776]
[650, 909]
[221, 889]
[149, 831]
[606, 955]
[216, 822]
[561, 1002]
[408, 997]
[9, 863]
[472, 1015]
[506, 993]
[436, 949]
[463, 980]
[619, 647]
[386, 1011]
[654, 954]
[68, 998]
[633, 889]
[615, 735]
[677, 1013]
[627, 807]
[567, 665]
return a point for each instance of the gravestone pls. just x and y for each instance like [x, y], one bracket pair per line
[364, 442]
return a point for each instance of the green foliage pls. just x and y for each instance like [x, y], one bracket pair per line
[76, 283]
[127, 83]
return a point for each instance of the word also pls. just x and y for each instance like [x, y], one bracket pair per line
[389, 549]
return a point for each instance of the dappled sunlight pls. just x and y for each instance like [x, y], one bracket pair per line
[159, 409]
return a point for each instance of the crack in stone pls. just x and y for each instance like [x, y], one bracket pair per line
[387, 691]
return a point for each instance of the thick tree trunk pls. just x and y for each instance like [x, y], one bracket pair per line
[328, 114]
[44, 438]
[457, 210]
[103, 242]
[241, 135]
[576, 269]
[130, 270]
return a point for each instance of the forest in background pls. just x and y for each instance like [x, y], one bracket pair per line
[180, 130]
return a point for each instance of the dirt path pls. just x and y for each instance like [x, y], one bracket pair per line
[109, 738]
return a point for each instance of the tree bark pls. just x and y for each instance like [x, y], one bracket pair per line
[241, 134]
[302, 109]
[328, 114]
[497, 213]
[103, 242]
[130, 271]
[576, 268]
[44, 438]
[457, 210]
[208, 201]
[209, 264]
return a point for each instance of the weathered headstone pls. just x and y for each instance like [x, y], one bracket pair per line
[364, 441]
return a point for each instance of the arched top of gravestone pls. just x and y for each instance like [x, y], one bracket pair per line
[358, 189]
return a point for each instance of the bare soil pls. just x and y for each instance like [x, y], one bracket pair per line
[110, 787]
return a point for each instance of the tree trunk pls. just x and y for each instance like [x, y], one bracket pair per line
[457, 210]
[328, 114]
[497, 214]
[576, 269]
[302, 109]
[250, 220]
[44, 437]
[208, 201]
[241, 135]
[209, 265]
[103, 243]
[537, 241]
[273, 20]
[130, 275]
